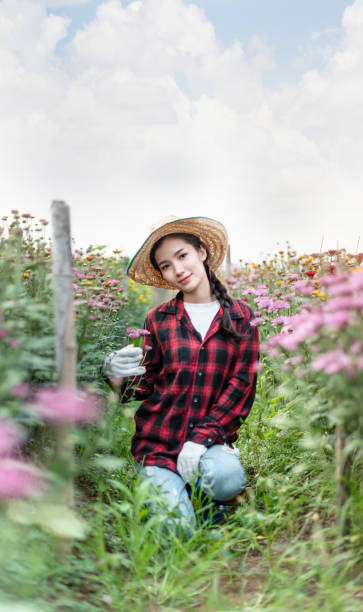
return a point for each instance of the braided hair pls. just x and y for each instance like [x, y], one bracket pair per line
[217, 287]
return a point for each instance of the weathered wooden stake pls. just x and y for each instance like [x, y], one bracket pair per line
[342, 473]
[228, 264]
[65, 333]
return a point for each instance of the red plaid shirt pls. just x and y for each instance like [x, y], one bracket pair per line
[193, 389]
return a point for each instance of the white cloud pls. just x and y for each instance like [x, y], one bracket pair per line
[325, 32]
[62, 3]
[149, 115]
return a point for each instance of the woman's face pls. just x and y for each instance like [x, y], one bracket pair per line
[182, 265]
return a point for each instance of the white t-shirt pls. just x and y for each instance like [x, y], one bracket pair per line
[202, 315]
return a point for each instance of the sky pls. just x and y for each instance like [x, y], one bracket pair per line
[246, 111]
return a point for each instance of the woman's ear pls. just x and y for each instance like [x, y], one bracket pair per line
[202, 253]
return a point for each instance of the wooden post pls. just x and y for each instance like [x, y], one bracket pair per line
[66, 348]
[228, 264]
[342, 473]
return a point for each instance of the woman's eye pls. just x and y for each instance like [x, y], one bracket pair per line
[183, 255]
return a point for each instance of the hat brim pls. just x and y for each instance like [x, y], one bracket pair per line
[212, 234]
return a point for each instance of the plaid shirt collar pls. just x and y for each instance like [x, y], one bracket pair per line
[175, 307]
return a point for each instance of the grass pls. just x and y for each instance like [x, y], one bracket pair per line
[281, 550]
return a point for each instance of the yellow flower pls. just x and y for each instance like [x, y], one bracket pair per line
[26, 274]
[279, 282]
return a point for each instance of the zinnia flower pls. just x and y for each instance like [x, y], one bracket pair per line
[19, 479]
[57, 405]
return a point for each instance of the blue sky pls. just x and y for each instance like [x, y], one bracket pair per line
[288, 26]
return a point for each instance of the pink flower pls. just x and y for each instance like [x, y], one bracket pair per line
[332, 362]
[340, 302]
[143, 332]
[261, 290]
[19, 479]
[356, 280]
[304, 287]
[279, 320]
[256, 321]
[355, 347]
[60, 405]
[3, 333]
[14, 343]
[297, 359]
[338, 319]
[10, 437]
[257, 366]
[147, 347]
[279, 305]
[20, 390]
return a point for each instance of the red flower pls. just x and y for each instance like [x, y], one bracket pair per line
[310, 272]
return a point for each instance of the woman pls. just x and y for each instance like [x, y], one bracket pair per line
[198, 378]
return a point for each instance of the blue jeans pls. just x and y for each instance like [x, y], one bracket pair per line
[221, 478]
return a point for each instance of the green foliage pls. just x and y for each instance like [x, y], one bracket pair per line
[282, 549]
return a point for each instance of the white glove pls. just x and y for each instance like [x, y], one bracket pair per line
[124, 362]
[188, 460]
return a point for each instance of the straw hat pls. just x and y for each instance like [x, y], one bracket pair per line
[212, 233]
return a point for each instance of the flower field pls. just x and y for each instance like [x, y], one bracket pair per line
[295, 543]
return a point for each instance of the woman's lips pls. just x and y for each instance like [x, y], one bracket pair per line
[185, 280]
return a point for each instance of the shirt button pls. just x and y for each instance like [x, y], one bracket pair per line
[191, 425]
[195, 400]
[202, 348]
[200, 373]
[210, 440]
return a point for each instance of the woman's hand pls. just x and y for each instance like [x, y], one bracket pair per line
[125, 362]
[188, 460]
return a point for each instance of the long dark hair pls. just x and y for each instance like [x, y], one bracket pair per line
[217, 287]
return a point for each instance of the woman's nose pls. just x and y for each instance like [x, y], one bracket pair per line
[178, 267]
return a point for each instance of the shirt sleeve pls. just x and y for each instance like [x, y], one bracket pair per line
[141, 387]
[235, 401]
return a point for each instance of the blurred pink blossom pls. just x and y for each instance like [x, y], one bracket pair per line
[304, 287]
[10, 436]
[261, 290]
[256, 321]
[58, 405]
[20, 390]
[19, 479]
[332, 362]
